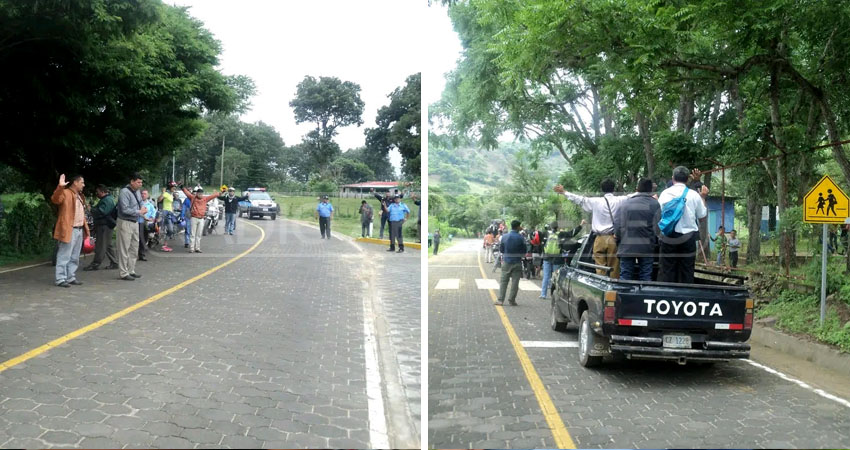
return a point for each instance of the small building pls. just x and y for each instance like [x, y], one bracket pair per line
[362, 190]
[714, 215]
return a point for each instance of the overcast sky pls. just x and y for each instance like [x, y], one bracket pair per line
[376, 44]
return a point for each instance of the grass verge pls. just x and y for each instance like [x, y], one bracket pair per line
[800, 314]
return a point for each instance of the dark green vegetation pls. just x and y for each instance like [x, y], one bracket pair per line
[104, 88]
[629, 89]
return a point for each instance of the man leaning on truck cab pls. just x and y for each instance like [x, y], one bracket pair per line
[678, 251]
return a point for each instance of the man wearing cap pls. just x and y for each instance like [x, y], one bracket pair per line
[386, 201]
[397, 213]
[231, 208]
[103, 225]
[325, 212]
[71, 228]
[198, 210]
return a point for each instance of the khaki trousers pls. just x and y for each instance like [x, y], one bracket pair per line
[605, 254]
[197, 232]
[128, 247]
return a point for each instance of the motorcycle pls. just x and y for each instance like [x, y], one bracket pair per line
[152, 235]
[214, 213]
[527, 262]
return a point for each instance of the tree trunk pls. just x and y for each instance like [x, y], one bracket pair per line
[595, 119]
[786, 243]
[754, 228]
[643, 130]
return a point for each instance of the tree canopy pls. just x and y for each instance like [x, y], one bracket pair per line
[629, 88]
[104, 87]
[398, 125]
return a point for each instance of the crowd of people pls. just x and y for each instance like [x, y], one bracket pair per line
[630, 233]
[132, 217]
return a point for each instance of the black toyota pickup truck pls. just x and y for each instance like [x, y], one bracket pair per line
[707, 321]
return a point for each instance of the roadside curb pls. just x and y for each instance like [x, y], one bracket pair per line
[818, 354]
[387, 242]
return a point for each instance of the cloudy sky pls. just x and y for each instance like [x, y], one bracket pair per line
[377, 44]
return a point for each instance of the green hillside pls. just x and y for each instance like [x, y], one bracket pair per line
[476, 171]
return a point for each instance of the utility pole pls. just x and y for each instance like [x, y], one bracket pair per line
[222, 161]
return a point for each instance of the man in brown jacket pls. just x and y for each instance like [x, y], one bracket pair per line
[198, 211]
[71, 228]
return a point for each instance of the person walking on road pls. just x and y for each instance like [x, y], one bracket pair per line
[678, 249]
[488, 247]
[636, 233]
[231, 208]
[734, 246]
[436, 241]
[104, 223]
[71, 228]
[365, 219]
[397, 214]
[198, 210]
[602, 224]
[325, 213]
[130, 209]
[513, 249]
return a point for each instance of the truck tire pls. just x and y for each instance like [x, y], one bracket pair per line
[586, 341]
[557, 320]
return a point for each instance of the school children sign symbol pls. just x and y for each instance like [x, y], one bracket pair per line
[826, 203]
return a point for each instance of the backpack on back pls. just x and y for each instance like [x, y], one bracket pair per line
[552, 246]
[671, 213]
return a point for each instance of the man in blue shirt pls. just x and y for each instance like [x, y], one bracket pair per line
[145, 221]
[512, 248]
[325, 212]
[397, 212]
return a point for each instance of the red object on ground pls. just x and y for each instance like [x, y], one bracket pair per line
[88, 246]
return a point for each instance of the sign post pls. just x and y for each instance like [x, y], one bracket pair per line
[825, 203]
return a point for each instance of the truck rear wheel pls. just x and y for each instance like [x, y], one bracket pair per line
[586, 341]
[557, 320]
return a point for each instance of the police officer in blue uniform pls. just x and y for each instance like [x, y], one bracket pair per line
[325, 212]
[398, 212]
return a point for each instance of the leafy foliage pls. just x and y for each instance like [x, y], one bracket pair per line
[398, 125]
[104, 87]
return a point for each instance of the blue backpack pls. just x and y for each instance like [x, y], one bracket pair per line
[671, 212]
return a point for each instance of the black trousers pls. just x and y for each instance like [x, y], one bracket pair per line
[396, 235]
[103, 245]
[733, 259]
[678, 255]
[436, 246]
[384, 220]
[143, 249]
[325, 226]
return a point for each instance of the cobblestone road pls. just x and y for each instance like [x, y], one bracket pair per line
[266, 352]
[479, 396]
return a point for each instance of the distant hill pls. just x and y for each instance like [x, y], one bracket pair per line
[476, 171]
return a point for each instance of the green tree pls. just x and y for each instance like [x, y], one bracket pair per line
[330, 103]
[103, 87]
[398, 125]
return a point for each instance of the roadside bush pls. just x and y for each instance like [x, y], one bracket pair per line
[27, 228]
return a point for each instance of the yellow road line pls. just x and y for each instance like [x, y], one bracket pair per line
[550, 412]
[386, 242]
[77, 333]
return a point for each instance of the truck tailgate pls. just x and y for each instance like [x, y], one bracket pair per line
[693, 308]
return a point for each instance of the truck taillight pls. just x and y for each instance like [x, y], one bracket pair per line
[609, 311]
[609, 314]
[748, 316]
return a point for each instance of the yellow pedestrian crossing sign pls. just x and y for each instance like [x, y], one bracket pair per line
[826, 203]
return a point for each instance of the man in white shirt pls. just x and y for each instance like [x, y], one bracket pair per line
[678, 251]
[604, 209]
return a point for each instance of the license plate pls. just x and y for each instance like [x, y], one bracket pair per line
[677, 341]
[265, 209]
